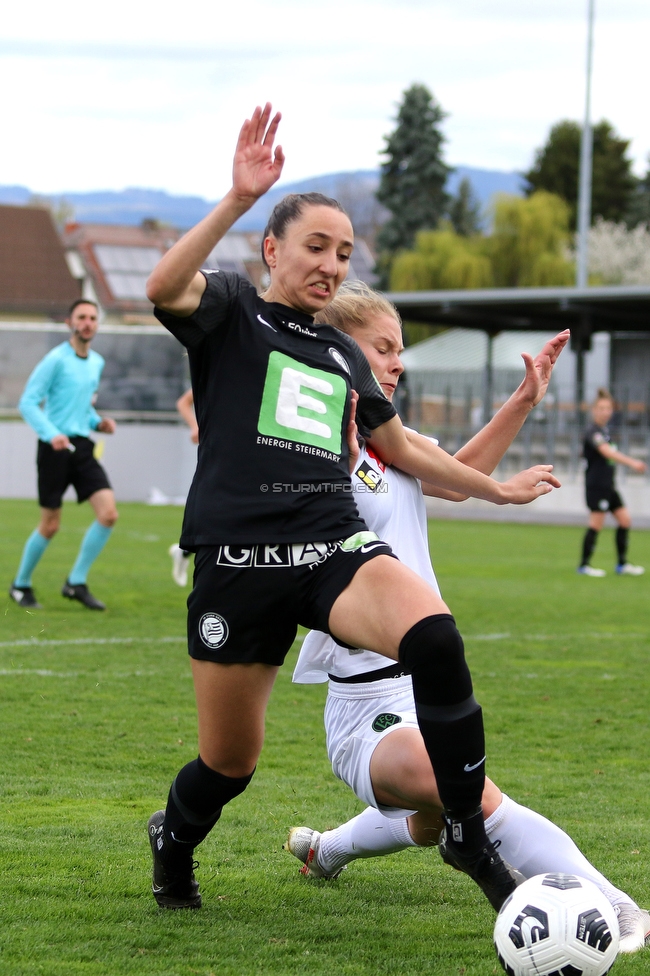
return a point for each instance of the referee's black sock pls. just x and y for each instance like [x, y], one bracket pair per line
[450, 719]
[588, 546]
[194, 805]
[621, 544]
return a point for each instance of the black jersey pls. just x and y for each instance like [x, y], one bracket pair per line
[272, 401]
[600, 470]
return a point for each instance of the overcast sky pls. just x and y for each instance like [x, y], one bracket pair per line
[152, 94]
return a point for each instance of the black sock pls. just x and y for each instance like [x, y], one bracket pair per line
[468, 833]
[588, 546]
[621, 544]
[194, 805]
[449, 716]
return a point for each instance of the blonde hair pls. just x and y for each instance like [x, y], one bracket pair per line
[603, 394]
[352, 307]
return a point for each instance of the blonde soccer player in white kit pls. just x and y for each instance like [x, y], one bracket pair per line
[373, 739]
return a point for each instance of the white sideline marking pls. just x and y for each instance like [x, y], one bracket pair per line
[104, 676]
[35, 642]
[552, 637]
[39, 671]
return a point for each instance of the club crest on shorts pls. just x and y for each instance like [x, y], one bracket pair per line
[385, 720]
[213, 630]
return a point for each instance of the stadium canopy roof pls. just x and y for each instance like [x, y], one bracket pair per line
[619, 308]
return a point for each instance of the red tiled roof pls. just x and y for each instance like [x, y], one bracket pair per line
[34, 275]
[84, 238]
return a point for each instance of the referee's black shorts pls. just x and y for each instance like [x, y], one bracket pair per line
[247, 601]
[603, 499]
[58, 469]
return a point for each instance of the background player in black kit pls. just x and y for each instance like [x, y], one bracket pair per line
[277, 536]
[602, 457]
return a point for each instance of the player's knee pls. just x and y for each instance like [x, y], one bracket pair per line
[108, 517]
[49, 526]
[434, 653]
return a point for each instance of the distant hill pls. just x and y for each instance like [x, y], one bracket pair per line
[354, 189]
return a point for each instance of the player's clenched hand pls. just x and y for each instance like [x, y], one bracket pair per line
[60, 442]
[256, 167]
[539, 369]
[106, 425]
[530, 484]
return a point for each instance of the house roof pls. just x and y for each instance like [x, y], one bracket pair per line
[119, 259]
[34, 274]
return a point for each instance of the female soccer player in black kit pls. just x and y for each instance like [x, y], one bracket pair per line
[602, 457]
[277, 536]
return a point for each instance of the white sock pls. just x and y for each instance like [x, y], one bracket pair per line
[370, 834]
[534, 845]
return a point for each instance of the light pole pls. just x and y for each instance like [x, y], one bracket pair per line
[586, 147]
[581, 334]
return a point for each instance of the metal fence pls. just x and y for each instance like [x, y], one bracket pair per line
[452, 407]
[146, 368]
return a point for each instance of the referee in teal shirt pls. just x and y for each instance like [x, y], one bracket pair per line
[58, 404]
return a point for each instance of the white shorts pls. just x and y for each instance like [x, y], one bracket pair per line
[357, 718]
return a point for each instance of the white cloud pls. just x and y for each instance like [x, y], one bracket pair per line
[153, 94]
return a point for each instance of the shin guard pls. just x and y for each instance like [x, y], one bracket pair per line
[195, 801]
[449, 717]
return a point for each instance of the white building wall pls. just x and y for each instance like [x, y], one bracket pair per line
[140, 459]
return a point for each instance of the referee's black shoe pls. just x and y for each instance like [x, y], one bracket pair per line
[24, 597]
[495, 877]
[172, 888]
[80, 592]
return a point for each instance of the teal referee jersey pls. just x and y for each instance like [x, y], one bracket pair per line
[58, 397]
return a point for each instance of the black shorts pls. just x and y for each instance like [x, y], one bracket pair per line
[603, 499]
[58, 469]
[247, 601]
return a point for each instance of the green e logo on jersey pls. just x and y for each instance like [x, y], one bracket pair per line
[302, 403]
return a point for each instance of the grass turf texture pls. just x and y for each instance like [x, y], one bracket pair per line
[98, 714]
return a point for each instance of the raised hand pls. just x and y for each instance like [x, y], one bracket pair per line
[528, 485]
[256, 167]
[539, 369]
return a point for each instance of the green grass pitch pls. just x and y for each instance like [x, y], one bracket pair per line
[97, 715]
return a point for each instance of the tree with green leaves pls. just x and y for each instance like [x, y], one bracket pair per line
[465, 210]
[413, 177]
[529, 243]
[442, 259]
[557, 165]
[528, 247]
[638, 211]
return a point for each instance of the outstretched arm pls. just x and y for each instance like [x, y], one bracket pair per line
[422, 459]
[176, 284]
[612, 454]
[486, 449]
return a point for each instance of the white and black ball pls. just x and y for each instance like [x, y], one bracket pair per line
[557, 925]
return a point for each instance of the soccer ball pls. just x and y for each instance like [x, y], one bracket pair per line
[556, 925]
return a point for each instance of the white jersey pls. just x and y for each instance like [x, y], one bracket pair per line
[392, 505]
